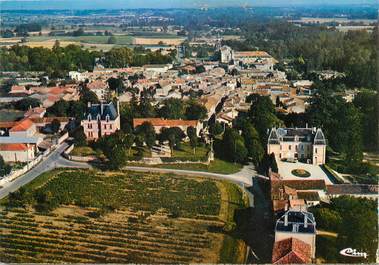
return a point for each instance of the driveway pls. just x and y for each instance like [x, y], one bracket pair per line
[53, 160]
[245, 178]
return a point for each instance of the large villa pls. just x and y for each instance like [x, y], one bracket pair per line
[302, 144]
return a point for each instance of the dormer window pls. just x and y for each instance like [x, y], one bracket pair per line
[89, 117]
[107, 118]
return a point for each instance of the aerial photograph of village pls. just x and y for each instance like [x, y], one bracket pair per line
[181, 132]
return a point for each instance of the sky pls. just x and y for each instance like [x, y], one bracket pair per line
[124, 4]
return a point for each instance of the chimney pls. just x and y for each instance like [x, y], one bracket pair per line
[101, 108]
[118, 108]
[286, 219]
[89, 104]
[305, 221]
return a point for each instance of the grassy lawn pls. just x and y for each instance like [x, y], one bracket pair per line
[186, 153]
[121, 217]
[217, 166]
[84, 151]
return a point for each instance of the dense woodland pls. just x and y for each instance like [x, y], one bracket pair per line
[312, 48]
[58, 61]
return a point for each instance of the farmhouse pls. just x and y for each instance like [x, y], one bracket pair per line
[17, 152]
[159, 124]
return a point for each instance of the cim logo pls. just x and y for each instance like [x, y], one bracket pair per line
[349, 252]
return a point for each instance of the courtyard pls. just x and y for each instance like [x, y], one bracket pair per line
[287, 171]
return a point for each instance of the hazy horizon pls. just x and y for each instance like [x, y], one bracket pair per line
[132, 4]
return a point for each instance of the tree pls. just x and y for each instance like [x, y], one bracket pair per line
[147, 132]
[172, 109]
[59, 109]
[119, 57]
[233, 146]
[252, 143]
[79, 136]
[273, 164]
[333, 114]
[173, 135]
[366, 103]
[45, 201]
[114, 147]
[145, 108]
[55, 125]
[26, 103]
[87, 95]
[191, 132]
[116, 84]
[195, 111]
[216, 129]
[262, 115]
[112, 40]
[18, 198]
[5, 169]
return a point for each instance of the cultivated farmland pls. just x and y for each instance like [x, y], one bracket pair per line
[119, 217]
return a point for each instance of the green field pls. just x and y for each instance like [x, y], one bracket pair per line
[121, 39]
[120, 217]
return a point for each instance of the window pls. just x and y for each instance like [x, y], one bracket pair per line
[316, 150]
[89, 125]
[110, 126]
[280, 147]
[289, 147]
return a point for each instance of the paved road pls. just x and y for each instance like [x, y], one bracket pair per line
[53, 160]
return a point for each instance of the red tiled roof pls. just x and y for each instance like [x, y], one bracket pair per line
[279, 205]
[97, 84]
[14, 147]
[56, 90]
[23, 125]
[49, 119]
[309, 184]
[52, 98]
[17, 88]
[252, 54]
[291, 251]
[164, 123]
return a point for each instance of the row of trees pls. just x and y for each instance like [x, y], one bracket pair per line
[58, 61]
[117, 147]
[313, 48]
[350, 127]
[123, 56]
